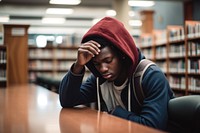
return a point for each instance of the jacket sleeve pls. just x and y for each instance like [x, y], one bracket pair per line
[157, 95]
[73, 91]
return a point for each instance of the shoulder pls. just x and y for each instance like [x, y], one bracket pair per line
[154, 79]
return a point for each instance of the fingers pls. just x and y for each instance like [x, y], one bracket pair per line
[90, 47]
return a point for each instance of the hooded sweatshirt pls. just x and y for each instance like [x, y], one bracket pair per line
[74, 91]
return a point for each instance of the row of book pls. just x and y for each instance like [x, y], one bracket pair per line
[2, 56]
[177, 82]
[2, 74]
[40, 53]
[177, 66]
[193, 48]
[161, 52]
[146, 40]
[160, 37]
[48, 65]
[52, 54]
[68, 54]
[193, 29]
[177, 50]
[194, 84]
[40, 65]
[194, 66]
[176, 33]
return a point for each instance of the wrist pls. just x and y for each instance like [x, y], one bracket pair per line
[77, 69]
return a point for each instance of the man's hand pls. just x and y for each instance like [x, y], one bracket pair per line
[85, 53]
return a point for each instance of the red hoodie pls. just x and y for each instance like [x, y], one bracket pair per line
[114, 31]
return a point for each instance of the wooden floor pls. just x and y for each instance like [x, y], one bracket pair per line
[33, 109]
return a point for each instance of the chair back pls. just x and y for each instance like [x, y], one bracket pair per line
[184, 114]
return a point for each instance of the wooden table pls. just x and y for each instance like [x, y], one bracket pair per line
[33, 109]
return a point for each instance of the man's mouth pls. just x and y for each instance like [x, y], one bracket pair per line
[107, 76]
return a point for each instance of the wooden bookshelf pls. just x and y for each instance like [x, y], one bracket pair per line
[192, 42]
[176, 58]
[16, 42]
[160, 50]
[50, 61]
[146, 45]
[176, 50]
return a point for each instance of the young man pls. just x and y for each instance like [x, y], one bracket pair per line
[109, 52]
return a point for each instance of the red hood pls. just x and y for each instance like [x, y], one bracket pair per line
[114, 31]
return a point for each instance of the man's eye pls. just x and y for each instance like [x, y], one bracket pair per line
[96, 64]
[108, 61]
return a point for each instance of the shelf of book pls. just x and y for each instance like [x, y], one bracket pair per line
[192, 41]
[176, 50]
[51, 61]
[146, 44]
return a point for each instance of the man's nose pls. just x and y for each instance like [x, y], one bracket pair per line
[103, 67]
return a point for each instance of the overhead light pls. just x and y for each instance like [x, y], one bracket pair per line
[65, 2]
[111, 13]
[141, 3]
[53, 20]
[131, 13]
[136, 23]
[4, 18]
[59, 11]
[41, 41]
[59, 39]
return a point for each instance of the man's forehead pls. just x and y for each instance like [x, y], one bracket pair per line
[105, 52]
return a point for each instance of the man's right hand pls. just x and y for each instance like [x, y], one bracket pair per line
[85, 53]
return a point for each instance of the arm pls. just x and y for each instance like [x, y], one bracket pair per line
[72, 92]
[157, 94]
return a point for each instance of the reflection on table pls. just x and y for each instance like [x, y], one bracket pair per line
[85, 120]
[34, 109]
[29, 109]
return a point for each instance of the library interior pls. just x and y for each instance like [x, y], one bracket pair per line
[39, 40]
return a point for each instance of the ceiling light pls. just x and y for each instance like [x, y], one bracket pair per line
[65, 2]
[59, 11]
[111, 13]
[135, 23]
[41, 41]
[131, 13]
[141, 3]
[53, 20]
[4, 18]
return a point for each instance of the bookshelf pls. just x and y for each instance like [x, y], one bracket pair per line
[176, 72]
[50, 61]
[16, 45]
[3, 59]
[146, 45]
[160, 50]
[176, 50]
[192, 41]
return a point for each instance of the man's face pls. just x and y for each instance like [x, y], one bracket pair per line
[108, 64]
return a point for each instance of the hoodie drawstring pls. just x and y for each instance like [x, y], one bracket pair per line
[98, 96]
[129, 96]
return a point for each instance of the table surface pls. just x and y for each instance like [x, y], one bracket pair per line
[34, 109]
